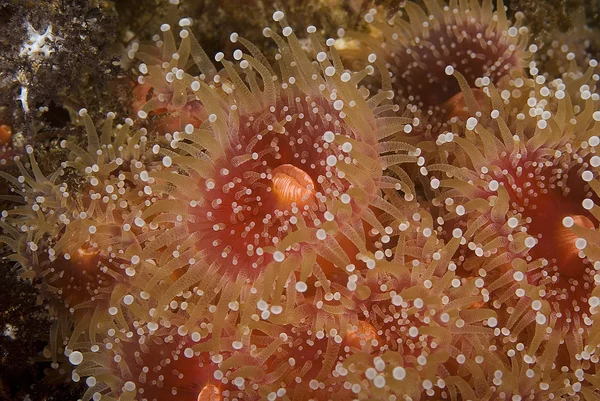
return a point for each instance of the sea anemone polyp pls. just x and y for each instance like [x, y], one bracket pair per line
[523, 179]
[160, 94]
[277, 173]
[237, 216]
[267, 230]
[80, 240]
[418, 43]
[277, 153]
[49, 236]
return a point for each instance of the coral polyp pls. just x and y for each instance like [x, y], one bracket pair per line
[419, 43]
[275, 154]
[71, 270]
[407, 212]
[160, 91]
[281, 175]
[526, 196]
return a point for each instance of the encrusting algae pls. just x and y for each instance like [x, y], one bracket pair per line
[421, 228]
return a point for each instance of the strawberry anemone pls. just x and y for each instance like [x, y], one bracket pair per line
[281, 165]
[127, 356]
[81, 241]
[392, 327]
[419, 42]
[423, 325]
[160, 94]
[522, 182]
[278, 155]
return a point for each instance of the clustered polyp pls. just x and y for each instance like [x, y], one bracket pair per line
[424, 227]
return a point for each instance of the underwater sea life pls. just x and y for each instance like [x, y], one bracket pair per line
[418, 44]
[519, 160]
[408, 211]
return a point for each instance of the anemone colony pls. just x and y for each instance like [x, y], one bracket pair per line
[423, 227]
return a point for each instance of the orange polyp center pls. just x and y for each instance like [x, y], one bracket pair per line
[549, 194]
[5, 134]
[210, 393]
[583, 221]
[365, 334]
[83, 253]
[83, 260]
[545, 197]
[291, 184]
[566, 250]
[456, 106]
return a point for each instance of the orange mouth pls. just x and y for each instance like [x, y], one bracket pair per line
[292, 185]
[210, 393]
